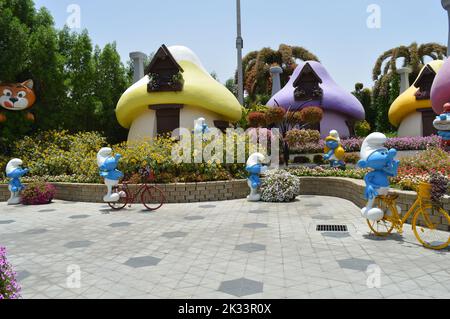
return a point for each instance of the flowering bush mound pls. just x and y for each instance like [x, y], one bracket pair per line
[38, 193]
[9, 288]
[354, 144]
[280, 186]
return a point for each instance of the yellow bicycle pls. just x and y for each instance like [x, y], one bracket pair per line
[426, 223]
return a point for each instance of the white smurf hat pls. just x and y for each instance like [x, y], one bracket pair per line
[372, 143]
[13, 164]
[335, 134]
[103, 155]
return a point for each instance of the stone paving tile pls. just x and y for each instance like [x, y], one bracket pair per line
[241, 287]
[256, 225]
[78, 244]
[145, 261]
[79, 216]
[193, 218]
[175, 234]
[251, 247]
[286, 259]
[6, 222]
[36, 231]
[117, 225]
[258, 211]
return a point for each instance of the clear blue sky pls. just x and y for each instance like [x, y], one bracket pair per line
[335, 31]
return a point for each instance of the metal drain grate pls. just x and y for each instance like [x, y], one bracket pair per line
[332, 228]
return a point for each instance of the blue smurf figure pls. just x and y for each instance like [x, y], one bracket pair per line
[15, 171]
[334, 152]
[442, 124]
[376, 156]
[255, 168]
[108, 170]
[200, 126]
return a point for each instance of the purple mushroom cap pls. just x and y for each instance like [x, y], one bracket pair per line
[334, 97]
[440, 91]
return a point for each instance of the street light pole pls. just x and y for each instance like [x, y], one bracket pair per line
[446, 6]
[239, 46]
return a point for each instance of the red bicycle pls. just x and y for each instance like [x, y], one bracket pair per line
[151, 196]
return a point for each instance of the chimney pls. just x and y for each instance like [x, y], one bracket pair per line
[138, 59]
[404, 78]
[275, 72]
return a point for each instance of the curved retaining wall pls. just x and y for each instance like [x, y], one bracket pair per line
[346, 188]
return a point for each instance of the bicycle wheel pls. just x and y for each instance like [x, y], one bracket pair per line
[123, 201]
[153, 198]
[381, 228]
[426, 224]
[385, 226]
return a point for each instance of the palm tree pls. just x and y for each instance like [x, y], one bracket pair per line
[256, 65]
[387, 83]
[414, 57]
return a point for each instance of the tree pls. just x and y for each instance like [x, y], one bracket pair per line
[387, 82]
[231, 86]
[111, 81]
[77, 89]
[364, 95]
[256, 65]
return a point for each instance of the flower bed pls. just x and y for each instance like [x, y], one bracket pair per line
[61, 157]
[354, 144]
[9, 288]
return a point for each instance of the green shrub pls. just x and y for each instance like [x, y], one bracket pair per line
[362, 128]
[318, 159]
[61, 157]
[302, 160]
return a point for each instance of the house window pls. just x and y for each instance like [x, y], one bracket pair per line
[167, 118]
[424, 83]
[164, 72]
[307, 85]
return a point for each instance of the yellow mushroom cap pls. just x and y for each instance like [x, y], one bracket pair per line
[200, 89]
[407, 103]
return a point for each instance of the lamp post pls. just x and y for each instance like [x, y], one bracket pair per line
[239, 46]
[446, 6]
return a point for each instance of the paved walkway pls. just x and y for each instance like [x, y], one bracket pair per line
[232, 249]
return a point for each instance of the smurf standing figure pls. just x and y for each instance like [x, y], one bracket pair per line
[442, 124]
[376, 156]
[108, 170]
[15, 171]
[255, 168]
[200, 126]
[334, 152]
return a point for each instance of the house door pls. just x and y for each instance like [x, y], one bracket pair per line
[167, 118]
[428, 117]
